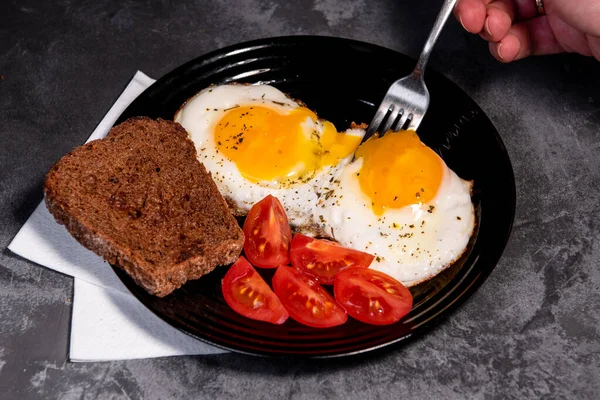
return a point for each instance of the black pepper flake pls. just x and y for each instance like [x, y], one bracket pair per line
[458, 218]
[378, 259]
[411, 226]
[431, 208]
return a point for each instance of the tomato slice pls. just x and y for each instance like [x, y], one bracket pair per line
[268, 234]
[371, 296]
[249, 295]
[305, 300]
[323, 259]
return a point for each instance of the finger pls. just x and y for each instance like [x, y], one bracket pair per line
[507, 49]
[471, 14]
[531, 37]
[499, 18]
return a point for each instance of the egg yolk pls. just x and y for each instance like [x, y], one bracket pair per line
[270, 146]
[398, 170]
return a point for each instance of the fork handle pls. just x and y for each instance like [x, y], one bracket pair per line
[433, 35]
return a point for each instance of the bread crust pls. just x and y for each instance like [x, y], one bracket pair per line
[129, 238]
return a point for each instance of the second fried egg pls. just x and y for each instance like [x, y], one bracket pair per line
[399, 201]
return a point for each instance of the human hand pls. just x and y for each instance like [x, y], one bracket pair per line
[515, 28]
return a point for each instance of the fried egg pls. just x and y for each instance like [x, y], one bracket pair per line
[257, 141]
[399, 201]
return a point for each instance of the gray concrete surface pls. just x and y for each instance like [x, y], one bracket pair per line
[532, 329]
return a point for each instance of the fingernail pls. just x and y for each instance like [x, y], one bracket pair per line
[487, 26]
[461, 22]
[499, 50]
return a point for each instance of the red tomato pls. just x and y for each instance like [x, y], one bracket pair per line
[322, 259]
[268, 234]
[371, 296]
[305, 300]
[249, 295]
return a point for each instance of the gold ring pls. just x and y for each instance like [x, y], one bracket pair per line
[540, 7]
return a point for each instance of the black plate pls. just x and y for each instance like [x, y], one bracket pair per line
[342, 80]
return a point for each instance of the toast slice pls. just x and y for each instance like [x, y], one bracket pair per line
[140, 199]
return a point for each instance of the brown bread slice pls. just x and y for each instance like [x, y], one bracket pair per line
[140, 199]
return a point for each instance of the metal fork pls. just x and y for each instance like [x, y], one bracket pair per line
[407, 99]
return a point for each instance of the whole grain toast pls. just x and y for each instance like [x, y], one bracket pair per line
[140, 199]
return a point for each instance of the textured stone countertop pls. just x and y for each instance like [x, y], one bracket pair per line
[532, 329]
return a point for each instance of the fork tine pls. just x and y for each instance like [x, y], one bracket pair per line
[398, 119]
[392, 116]
[415, 122]
[376, 121]
[401, 121]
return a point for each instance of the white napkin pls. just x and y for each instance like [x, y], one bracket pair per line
[108, 323]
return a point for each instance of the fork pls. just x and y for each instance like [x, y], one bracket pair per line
[407, 99]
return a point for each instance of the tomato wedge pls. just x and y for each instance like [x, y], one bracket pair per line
[268, 234]
[323, 259]
[249, 295]
[305, 300]
[371, 296]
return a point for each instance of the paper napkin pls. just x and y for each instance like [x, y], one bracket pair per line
[108, 323]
